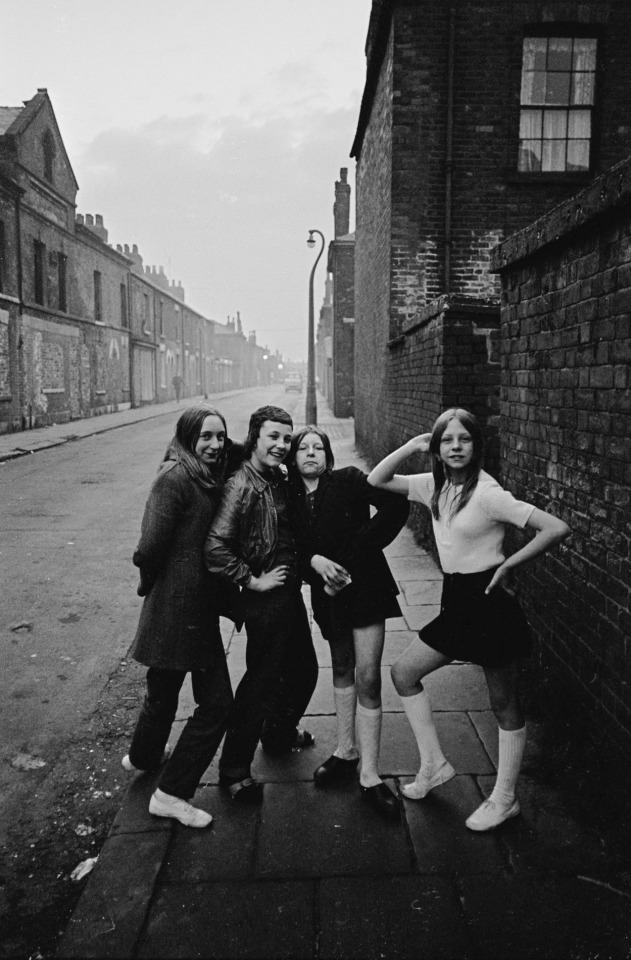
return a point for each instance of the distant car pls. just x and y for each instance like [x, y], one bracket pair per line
[293, 381]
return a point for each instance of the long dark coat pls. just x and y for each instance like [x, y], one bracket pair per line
[179, 621]
[343, 529]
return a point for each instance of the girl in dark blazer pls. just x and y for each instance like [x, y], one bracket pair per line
[178, 630]
[352, 594]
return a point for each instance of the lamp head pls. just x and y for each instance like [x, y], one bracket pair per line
[311, 241]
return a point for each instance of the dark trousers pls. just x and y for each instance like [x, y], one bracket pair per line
[280, 677]
[201, 735]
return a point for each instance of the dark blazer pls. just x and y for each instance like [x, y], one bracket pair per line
[179, 621]
[343, 530]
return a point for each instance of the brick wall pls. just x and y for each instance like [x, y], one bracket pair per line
[449, 356]
[404, 175]
[342, 264]
[372, 264]
[565, 414]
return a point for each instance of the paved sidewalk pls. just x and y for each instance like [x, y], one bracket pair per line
[317, 874]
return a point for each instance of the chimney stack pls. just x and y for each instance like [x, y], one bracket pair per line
[342, 205]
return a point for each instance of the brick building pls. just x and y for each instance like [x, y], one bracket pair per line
[565, 439]
[86, 328]
[341, 268]
[477, 117]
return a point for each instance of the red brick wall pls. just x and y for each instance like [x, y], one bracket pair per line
[566, 446]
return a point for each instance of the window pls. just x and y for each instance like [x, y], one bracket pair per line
[557, 102]
[145, 313]
[62, 264]
[48, 146]
[123, 305]
[39, 256]
[3, 257]
[98, 302]
[161, 317]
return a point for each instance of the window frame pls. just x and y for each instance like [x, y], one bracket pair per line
[62, 282]
[98, 296]
[39, 272]
[3, 256]
[49, 151]
[123, 306]
[575, 31]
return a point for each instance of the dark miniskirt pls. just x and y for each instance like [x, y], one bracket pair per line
[351, 607]
[488, 629]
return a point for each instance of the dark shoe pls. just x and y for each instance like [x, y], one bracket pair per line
[381, 799]
[245, 791]
[296, 740]
[333, 770]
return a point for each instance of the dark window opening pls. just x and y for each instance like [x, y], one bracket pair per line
[39, 257]
[557, 102]
[3, 257]
[49, 156]
[123, 305]
[145, 313]
[62, 265]
[161, 317]
[98, 303]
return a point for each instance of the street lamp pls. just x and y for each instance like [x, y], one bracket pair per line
[311, 411]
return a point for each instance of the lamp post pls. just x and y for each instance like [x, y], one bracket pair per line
[311, 409]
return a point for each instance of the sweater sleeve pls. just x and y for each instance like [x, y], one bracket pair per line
[421, 488]
[501, 506]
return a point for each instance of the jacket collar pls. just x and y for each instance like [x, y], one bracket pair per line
[258, 480]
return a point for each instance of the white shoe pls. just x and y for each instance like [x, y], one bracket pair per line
[127, 765]
[164, 805]
[423, 782]
[491, 814]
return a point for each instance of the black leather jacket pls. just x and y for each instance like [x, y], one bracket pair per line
[242, 538]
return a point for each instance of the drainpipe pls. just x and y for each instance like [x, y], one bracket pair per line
[449, 136]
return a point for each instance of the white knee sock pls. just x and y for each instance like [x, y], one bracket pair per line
[511, 753]
[419, 712]
[345, 706]
[369, 734]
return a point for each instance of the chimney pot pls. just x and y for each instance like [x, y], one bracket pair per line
[89, 219]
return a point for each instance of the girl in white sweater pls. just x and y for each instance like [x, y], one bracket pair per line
[480, 620]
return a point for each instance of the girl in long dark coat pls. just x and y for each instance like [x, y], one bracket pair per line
[352, 594]
[178, 630]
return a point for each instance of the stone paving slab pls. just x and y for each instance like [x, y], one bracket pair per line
[547, 837]
[421, 592]
[226, 851]
[442, 843]
[414, 617]
[546, 918]
[107, 923]
[305, 832]
[274, 920]
[369, 918]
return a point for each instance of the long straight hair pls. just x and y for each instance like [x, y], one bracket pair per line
[441, 471]
[182, 446]
[297, 439]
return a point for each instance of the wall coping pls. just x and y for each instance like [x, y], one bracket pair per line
[610, 190]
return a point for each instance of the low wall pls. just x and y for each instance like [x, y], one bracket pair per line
[565, 436]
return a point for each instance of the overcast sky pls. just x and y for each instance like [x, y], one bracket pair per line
[208, 132]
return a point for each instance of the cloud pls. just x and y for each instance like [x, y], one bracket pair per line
[225, 206]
